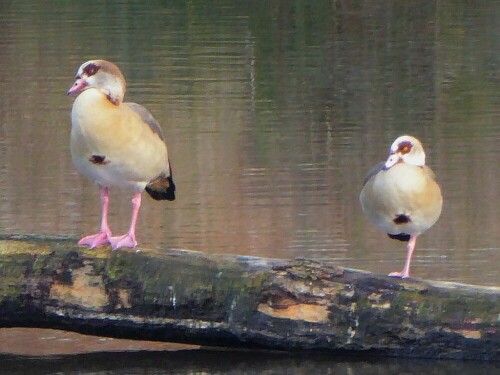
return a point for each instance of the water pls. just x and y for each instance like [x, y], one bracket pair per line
[273, 113]
[227, 362]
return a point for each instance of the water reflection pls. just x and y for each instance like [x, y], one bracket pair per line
[273, 112]
[227, 362]
[273, 115]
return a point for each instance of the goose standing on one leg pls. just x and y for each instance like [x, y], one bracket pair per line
[401, 196]
[116, 144]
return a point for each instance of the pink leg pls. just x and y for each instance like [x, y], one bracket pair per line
[406, 270]
[128, 239]
[101, 238]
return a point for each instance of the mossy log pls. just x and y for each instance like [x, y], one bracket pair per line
[241, 302]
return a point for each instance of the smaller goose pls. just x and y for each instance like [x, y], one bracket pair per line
[401, 196]
[116, 144]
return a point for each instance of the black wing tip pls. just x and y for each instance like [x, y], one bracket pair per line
[400, 237]
[162, 193]
[170, 195]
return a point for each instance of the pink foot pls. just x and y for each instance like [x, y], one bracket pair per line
[406, 269]
[94, 240]
[126, 240]
[399, 274]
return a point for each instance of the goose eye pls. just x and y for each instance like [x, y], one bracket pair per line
[91, 69]
[404, 147]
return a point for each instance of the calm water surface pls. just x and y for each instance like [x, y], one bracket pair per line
[247, 363]
[273, 112]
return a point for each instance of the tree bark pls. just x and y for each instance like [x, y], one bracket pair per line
[238, 301]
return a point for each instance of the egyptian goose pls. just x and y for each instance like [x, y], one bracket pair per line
[116, 144]
[401, 196]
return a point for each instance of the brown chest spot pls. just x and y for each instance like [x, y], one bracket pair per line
[401, 219]
[98, 160]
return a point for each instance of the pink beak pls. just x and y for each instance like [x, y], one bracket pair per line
[77, 87]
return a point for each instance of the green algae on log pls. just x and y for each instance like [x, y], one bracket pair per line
[241, 302]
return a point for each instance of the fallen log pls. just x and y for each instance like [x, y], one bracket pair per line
[241, 302]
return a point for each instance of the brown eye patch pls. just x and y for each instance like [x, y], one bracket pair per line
[91, 69]
[404, 147]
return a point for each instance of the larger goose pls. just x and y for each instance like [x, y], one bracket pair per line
[116, 144]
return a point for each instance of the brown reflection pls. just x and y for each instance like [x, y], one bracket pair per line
[51, 342]
[272, 115]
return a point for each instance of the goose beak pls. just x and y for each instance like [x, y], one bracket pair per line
[393, 158]
[77, 87]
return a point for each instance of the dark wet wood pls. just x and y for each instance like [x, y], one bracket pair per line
[237, 301]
